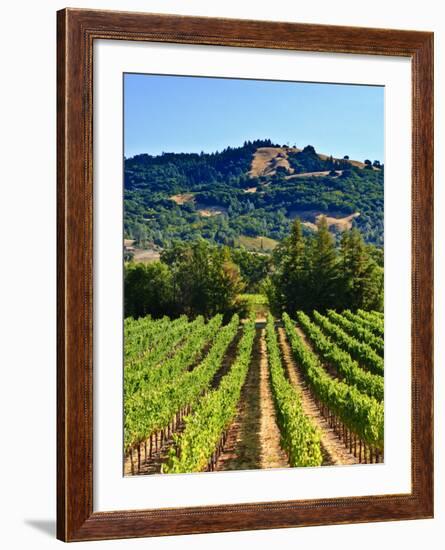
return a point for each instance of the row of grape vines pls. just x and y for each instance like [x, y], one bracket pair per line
[361, 352]
[329, 351]
[203, 438]
[356, 414]
[357, 331]
[156, 410]
[178, 398]
[141, 335]
[299, 437]
[168, 360]
[369, 321]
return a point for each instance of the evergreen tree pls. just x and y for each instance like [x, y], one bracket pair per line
[362, 278]
[289, 288]
[323, 271]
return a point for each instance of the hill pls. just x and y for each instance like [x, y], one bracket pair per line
[266, 161]
[250, 192]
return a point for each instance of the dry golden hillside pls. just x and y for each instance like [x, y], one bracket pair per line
[266, 160]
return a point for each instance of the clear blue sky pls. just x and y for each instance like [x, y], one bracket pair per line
[194, 114]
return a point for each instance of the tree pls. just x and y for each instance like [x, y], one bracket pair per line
[205, 279]
[287, 288]
[347, 174]
[195, 279]
[362, 278]
[324, 274]
[148, 289]
[153, 184]
[348, 278]
[281, 171]
[253, 267]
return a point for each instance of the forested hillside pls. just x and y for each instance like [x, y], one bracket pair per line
[249, 195]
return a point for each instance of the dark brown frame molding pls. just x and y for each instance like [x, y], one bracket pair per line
[76, 32]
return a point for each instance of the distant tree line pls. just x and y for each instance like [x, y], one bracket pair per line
[304, 272]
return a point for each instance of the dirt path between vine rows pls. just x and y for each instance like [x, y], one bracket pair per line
[253, 440]
[334, 452]
[272, 455]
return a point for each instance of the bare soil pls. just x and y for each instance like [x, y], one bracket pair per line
[182, 198]
[334, 452]
[211, 211]
[229, 358]
[309, 174]
[242, 447]
[253, 440]
[152, 464]
[272, 455]
[266, 160]
[338, 223]
[146, 255]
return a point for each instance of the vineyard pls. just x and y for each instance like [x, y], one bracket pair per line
[208, 395]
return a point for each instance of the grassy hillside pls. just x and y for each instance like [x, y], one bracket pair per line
[243, 194]
[256, 244]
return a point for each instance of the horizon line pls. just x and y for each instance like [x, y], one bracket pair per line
[216, 151]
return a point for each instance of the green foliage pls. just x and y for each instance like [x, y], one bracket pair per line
[141, 334]
[312, 273]
[176, 349]
[374, 317]
[359, 332]
[152, 404]
[256, 304]
[370, 321]
[147, 290]
[221, 179]
[308, 160]
[290, 282]
[362, 277]
[304, 272]
[253, 267]
[360, 351]
[333, 354]
[206, 280]
[324, 276]
[214, 413]
[360, 413]
[195, 279]
[299, 437]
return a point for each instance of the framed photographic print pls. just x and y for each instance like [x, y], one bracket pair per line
[245, 229]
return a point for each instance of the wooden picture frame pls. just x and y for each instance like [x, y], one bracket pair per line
[77, 31]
